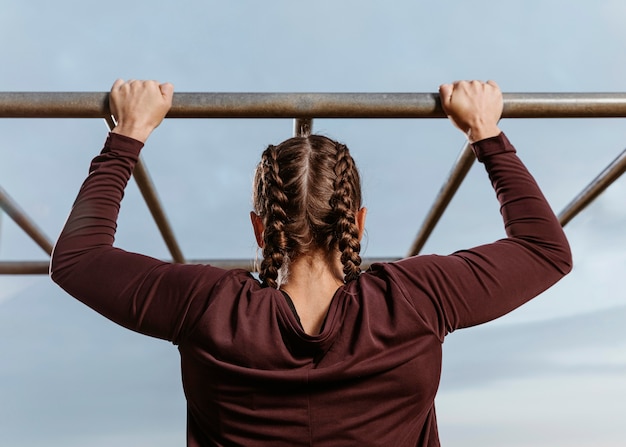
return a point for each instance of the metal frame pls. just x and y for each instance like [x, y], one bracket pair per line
[303, 108]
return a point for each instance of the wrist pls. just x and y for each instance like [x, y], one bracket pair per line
[137, 132]
[482, 132]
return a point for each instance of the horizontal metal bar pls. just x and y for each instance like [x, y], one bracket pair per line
[452, 183]
[41, 267]
[24, 222]
[611, 173]
[24, 267]
[312, 105]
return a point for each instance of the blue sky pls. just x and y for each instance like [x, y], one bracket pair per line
[550, 373]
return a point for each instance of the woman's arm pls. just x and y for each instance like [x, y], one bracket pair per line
[135, 291]
[473, 286]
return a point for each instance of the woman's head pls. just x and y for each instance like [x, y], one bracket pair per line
[307, 193]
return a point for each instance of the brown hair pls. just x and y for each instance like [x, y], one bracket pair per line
[307, 191]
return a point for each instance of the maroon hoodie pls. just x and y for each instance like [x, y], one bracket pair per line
[252, 376]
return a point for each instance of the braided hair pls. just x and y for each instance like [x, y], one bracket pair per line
[307, 192]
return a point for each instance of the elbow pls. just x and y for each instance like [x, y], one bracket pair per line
[555, 255]
[63, 272]
[53, 273]
[60, 268]
[569, 263]
[563, 260]
[52, 266]
[566, 264]
[55, 268]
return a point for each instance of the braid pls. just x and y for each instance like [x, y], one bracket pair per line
[308, 192]
[343, 206]
[274, 201]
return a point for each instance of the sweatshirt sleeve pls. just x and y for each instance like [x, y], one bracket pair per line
[477, 285]
[138, 292]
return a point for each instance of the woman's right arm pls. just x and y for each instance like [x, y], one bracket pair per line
[138, 292]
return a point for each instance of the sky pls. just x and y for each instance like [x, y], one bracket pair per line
[550, 373]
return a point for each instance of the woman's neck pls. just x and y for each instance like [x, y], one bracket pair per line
[311, 285]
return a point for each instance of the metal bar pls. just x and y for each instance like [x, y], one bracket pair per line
[312, 105]
[446, 193]
[24, 267]
[302, 126]
[24, 222]
[323, 105]
[611, 173]
[148, 191]
[41, 267]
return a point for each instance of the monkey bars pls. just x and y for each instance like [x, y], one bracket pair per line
[303, 108]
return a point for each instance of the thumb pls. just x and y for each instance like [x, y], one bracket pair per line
[113, 96]
[445, 93]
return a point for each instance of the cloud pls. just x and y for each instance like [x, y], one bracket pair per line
[557, 382]
[591, 343]
[539, 411]
[12, 286]
[81, 377]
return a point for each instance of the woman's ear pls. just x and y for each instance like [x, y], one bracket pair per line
[360, 221]
[258, 227]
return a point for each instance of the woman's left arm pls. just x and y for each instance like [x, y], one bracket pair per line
[477, 285]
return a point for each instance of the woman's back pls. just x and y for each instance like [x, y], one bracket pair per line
[252, 375]
[368, 372]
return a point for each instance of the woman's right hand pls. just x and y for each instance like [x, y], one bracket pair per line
[474, 107]
[139, 106]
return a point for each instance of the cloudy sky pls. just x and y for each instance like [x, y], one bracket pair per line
[551, 373]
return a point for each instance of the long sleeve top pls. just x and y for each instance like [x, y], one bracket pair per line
[252, 376]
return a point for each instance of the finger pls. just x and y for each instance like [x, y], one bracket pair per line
[474, 85]
[494, 84]
[167, 89]
[445, 92]
[117, 84]
[115, 88]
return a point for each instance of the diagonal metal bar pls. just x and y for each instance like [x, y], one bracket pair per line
[148, 191]
[24, 222]
[611, 173]
[312, 105]
[456, 176]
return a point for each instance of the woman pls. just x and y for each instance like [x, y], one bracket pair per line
[317, 353]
